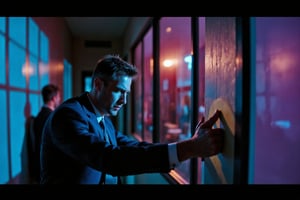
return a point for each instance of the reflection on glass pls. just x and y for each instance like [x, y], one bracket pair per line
[276, 142]
[175, 80]
[148, 87]
[138, 109]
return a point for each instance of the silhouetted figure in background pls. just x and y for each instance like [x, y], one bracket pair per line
[27, 159]
[51, 99]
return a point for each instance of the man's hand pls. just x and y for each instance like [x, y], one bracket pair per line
[210, 141]
[205, 142]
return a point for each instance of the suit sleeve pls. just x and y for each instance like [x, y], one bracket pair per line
[73, 133]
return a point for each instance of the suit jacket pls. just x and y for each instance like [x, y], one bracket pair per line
[74, 149]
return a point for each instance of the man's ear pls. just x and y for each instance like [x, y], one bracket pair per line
[98, 83]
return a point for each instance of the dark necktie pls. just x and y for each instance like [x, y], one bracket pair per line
[105, 132]
[109, 179]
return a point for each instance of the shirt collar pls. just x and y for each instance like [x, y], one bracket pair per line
[98, 115]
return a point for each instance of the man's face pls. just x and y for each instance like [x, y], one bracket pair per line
[113, 96]
[57, 99]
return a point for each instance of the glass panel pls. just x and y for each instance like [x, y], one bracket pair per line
[201, 82]
[148, 86]
[221, 83]
[44, 47]
[138, 125]
[17, 30]
[175, 80]
[17, 128]
[33, 37]
[44, 62]
[276, 143]
[35, 102]
[2, 24]
[68, 80]
[87, 83]
[17, 66]
[2, 60]
[4, 175]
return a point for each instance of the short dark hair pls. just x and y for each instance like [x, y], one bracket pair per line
[49, 91]
[111, 66]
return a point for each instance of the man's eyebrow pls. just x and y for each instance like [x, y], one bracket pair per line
[122, 89]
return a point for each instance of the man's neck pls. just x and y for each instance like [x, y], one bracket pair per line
[50, 106]
[97, 111]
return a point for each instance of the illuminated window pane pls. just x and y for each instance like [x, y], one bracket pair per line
[33, 37]
[88, 84]
[175, 79]
[44, 62]
[44, 47]
[17, 67]
[201, 83]
[2, 24]
[68, 80]
[148, 87]
[221, 82]
[2, 60]
[17, 128]
[4, 175]
[138, 113]
[17, 30]
[36, 103]
[275, 146]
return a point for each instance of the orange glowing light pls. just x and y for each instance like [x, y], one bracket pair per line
[27, 70]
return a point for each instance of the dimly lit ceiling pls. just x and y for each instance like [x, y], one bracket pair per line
[97, 28]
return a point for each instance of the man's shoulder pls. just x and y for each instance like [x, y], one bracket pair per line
[78, 104]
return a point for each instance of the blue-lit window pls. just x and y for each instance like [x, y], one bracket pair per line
[16, 106]
[2, 60]
[2, 24]
[35, 100]
[17, 66]
[24, 51]
[67, 80]
[43, 65]
[17, 30]
[4, 170]
[33, 38]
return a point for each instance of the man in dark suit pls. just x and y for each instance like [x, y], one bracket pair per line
[76, 149]
[51, 99]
